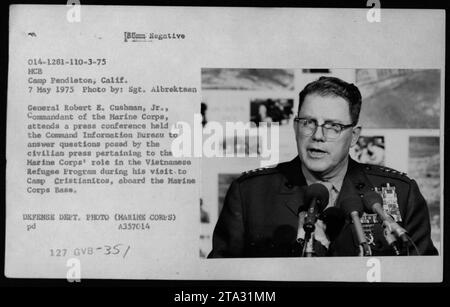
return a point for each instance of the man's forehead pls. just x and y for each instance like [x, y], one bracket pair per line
[325, 97]
[331, 107]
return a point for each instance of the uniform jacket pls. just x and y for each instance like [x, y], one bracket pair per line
[260, 214]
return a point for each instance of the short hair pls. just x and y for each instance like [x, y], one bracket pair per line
[331, 86]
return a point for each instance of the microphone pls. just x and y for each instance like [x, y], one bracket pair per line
[373, 202]
[301, 222]
[391, 240]
[316, 196]
[352, 206]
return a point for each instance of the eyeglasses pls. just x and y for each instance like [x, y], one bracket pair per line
[330, 130]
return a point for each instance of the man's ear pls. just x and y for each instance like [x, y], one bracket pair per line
[356, 132]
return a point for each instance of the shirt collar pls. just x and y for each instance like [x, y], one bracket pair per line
[336, 181]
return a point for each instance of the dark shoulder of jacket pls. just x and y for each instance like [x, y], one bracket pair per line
[262, 171]
[383, 171]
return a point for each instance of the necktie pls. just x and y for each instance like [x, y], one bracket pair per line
[331, 192]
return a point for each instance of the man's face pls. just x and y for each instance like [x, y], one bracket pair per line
[320, 155]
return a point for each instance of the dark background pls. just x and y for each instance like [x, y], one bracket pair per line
[159, 290]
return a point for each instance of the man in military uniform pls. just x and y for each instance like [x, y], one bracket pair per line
[260, 216]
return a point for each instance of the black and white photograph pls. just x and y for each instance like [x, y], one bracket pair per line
[356, 188]
[400, 98]
[163, 144]
[237, 79]
[225, 181]
[271, 111]
[424, 166]
[369, 149]
[245, 146]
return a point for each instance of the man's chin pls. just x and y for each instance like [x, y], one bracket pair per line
[316, 166]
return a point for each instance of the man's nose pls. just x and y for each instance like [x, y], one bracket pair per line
[318, 134]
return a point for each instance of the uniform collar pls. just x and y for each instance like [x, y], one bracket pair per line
[355, 182]
[355, 179]
[292, 172]
[336, 181]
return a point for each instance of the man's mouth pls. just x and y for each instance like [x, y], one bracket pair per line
[316, 152]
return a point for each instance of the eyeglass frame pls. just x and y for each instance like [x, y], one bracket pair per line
[342, 126]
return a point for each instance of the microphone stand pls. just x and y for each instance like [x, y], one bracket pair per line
[317, 196]
[309, 227]
[308, 248]
[390, 239]
[365, 248]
